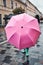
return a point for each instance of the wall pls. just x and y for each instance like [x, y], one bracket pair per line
[29, 8]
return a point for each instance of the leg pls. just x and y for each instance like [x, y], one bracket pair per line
[27, 53]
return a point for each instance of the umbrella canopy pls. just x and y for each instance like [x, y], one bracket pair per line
[22, 31]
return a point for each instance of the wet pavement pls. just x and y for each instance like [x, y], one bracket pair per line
[9, 55]
[2, 36]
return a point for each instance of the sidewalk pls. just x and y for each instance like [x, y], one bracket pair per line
[9, 55]
[2, 35]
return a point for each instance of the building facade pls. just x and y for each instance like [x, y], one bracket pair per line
[6, 7]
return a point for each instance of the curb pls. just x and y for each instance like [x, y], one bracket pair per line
[3, 42]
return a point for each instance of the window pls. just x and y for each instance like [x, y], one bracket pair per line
[12, 4]
[0, 19]
[4, 2]
[15, 4]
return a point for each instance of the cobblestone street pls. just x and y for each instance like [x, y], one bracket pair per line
[10, 55]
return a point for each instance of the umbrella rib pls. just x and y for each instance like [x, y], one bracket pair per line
[35, 30]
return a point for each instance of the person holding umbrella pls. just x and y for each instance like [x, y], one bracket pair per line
[24, 51]
[37, 17]
[22, 31]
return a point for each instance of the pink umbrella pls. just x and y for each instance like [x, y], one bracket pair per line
[22, 31]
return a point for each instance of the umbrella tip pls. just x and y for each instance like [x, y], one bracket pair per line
[21, 26]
